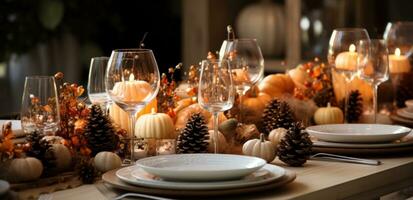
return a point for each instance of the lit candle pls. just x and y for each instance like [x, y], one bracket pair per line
[129, 91]
[398, 63]
[347, 60]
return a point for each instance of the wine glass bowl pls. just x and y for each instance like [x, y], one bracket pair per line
[96, 87]
[40, 107]
[246, 62]
[215, 90]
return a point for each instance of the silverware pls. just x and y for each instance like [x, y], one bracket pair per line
[141, 195]
[334, 157]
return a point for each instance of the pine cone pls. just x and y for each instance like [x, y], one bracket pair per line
[87, 172]
[354, 107]
[277, 114]
[99, 132]
[295, 147]
[41, 149]
[194, 137]
[323, 97]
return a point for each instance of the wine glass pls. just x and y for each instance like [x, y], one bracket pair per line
[215, 90]
[132, 81]
[40, 107]
[342, 57]
[399, 40]
[247, 64]
[373, 65]
[96, 88]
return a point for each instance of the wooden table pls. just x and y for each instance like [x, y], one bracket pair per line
[316, 180]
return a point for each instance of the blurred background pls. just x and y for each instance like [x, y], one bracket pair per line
[46, 36]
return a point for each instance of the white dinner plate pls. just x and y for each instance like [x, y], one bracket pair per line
[403, 112]
[15, 126]
[200, 167]
[137, 176]
[358, 133]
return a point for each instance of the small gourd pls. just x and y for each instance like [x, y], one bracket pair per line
[328, 115]
[259, 148]
[228, 127]
[63, 157]
[155, 125]
[105, 161]
[222, 142]
[24, 169]
[276, 135]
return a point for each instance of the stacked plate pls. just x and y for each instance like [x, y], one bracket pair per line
[199, 174]
[361, 138]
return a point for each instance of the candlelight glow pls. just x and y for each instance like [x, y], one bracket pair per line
[131, 77]
[352, 48]
[397, 52]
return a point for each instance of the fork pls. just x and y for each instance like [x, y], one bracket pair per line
[334, 157]
[141, 195]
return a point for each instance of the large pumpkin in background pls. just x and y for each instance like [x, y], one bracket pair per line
[276, 85]
[185, 113]
[253, 105]
[265, 22]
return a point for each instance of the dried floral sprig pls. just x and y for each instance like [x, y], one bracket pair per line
[8, 150]
[319, 86]
[167, 97]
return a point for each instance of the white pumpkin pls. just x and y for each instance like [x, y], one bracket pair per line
[105, 161]
[259, 148]
[155, 125]
[222, 142]
[24, 169]
[264, 21]
[63, 157]
[276, 135]
[328, 115]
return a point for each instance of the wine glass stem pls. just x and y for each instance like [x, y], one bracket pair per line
[215, 132]
[132, 120]
[375, 88]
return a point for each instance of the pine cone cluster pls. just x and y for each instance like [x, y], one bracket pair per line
[99, 131]
[41, 149]
[354, 106]
[295, 147]
[277, 114]
[194, 137]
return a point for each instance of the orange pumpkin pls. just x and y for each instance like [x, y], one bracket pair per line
[299, 76]
[253, 105]
[276, 85]
[184, 114]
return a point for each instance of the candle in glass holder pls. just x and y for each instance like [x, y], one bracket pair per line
[347, 60]
[398, 63]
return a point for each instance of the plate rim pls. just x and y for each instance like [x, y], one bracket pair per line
[215, 185]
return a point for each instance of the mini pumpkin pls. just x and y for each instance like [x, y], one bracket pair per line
[63, 157]
[276, 85]
[155, 125]
[328, 115]
[276, 135]
[105, 161]
[222, 142]
[24, 169]
[259, 148]
[228, 127]
[253, 105]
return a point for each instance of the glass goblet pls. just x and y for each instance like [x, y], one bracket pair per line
[40, 107]
[373, 65]
[215, 91]
[132, 81]
[96, 88]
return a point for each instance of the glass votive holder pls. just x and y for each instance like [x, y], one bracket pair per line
[140, 149]
[165, 146]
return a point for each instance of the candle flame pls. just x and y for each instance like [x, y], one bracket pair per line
[131, 77]
[352, 48]
[397, 52]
